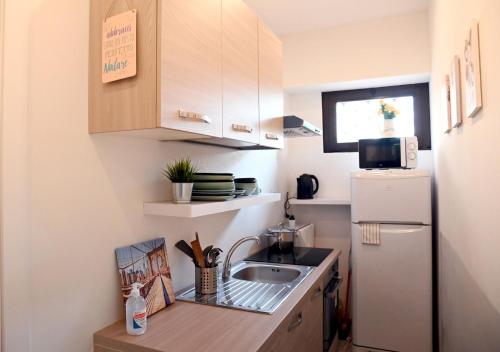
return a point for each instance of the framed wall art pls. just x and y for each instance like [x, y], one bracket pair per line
[473, 95]
[445, 104]
[146, 263]
[455, 93]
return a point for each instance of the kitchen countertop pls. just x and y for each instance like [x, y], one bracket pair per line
[194, 327]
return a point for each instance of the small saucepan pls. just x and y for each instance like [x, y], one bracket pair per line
[281, 237]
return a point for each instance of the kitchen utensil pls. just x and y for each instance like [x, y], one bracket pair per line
[185, 248]
[205, 280]
[213, 256]
[284, 238]
[198, 252]
[214, 185]
[345, 321]
[218, 193]
[207, 250]
[306, 188]
[212, 198]
[249, 185]
[201, 177]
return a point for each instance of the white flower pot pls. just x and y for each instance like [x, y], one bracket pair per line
[181, 192]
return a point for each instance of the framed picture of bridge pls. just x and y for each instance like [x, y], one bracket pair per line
[146, 263]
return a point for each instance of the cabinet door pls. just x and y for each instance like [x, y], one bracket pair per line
[270, 88]
[127, 104]
[240, 72]
[191, 66]
[314, 316]
[302, 329]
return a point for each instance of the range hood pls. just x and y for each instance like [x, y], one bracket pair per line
[294, 126]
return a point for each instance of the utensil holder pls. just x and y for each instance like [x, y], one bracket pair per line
[205, 280]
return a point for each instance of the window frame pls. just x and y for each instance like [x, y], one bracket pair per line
[422, 114]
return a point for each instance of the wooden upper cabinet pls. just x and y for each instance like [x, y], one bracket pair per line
[240, 65]
[205, 69]
[128, 104]
[270, 88]
[191, 65]
[177, 92]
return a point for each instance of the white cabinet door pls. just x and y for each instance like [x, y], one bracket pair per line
[392, 289]
[240, 72]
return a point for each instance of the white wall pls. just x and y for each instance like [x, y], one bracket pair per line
[70, 199]
[384, 52]
[393, 46]
[467, 168]
[1, 124]
[305, 155]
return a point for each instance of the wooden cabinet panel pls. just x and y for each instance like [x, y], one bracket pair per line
[314, 316]
[302, 330]
[270, 88]
[205, 68]
[191, 65]
[128, 104]
[240, 72]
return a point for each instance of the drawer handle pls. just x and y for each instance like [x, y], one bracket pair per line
[272, 136]
[316, 294]
[242, 128]
[194, 116]
[296, 322]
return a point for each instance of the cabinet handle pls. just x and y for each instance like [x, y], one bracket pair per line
[272, 136]
[294, 324]
[194, 116]
[242, 128]
[316, 294]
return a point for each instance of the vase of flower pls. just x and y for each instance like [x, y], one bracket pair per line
[389, 113]
[389, 128]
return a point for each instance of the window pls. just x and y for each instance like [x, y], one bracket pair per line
[351, 115]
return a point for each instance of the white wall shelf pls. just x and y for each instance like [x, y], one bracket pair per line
[197, 209]
[320, 201]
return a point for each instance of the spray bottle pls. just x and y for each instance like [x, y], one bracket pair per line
[136, 311]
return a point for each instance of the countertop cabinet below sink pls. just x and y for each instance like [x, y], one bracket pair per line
[184, 325]
[302, 330]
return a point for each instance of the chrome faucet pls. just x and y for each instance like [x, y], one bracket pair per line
[226, 272]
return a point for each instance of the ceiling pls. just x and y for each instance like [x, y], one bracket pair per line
[294, 16]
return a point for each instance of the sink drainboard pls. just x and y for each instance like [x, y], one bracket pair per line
[253, 296]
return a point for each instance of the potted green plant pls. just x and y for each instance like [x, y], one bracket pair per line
[389, 113]
[181, 173]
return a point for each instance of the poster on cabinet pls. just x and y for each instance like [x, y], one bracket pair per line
[473, 95]
[119, 46]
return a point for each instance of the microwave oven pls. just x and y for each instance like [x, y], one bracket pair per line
[388, 153]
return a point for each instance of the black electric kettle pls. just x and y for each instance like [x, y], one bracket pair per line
[305, 186]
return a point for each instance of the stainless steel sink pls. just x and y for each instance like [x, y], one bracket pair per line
[258, 287]
[267, 274]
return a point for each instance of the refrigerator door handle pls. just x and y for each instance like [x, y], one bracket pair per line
[420, 224]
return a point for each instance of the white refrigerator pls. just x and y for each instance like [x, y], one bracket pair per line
[391, 272]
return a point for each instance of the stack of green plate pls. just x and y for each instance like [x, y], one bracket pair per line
[214, 187]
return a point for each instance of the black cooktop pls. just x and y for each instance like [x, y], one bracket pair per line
[297, 256]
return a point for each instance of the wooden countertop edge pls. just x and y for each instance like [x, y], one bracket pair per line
[184, 325]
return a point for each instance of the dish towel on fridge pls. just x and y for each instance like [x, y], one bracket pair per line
[370, 234]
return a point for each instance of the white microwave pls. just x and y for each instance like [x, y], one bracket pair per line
[388, 153]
